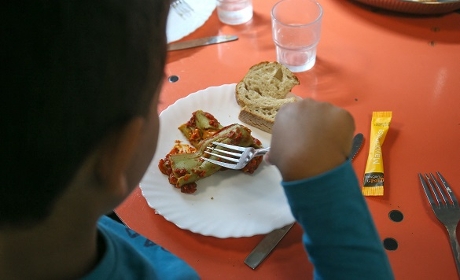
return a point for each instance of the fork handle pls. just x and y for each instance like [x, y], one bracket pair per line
[452, 230]
[261, 152]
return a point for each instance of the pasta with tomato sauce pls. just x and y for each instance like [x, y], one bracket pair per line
[183, 164]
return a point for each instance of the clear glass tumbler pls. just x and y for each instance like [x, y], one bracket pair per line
[234, 12]
[296, 30]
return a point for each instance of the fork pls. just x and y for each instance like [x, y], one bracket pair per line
[231, 156]
[445, 207]
[181, 7]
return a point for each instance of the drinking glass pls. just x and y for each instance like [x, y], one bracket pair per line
[234, 12]
[296, 30]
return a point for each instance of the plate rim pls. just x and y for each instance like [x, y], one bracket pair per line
[183, 22]
[248, 233]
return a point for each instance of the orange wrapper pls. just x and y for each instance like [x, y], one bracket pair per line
[373, 175]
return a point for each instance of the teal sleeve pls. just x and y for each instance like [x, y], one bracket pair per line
[339, 233]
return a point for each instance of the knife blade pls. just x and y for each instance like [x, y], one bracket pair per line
[357, 144]
[269, 242]
[201, 42]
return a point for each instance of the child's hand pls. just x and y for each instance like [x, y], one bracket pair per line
[309, 138]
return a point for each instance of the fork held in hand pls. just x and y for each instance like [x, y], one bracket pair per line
[446, 208]
[231, 156]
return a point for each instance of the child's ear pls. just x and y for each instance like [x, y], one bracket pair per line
[115, 155]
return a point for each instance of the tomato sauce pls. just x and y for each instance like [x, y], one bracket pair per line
[195, 136]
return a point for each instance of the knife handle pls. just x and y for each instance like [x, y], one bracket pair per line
[265, 246]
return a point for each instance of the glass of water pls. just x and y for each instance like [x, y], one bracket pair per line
[296, 30]
[234, 12]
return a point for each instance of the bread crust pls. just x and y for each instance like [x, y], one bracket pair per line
[262, 91]
[258, 118]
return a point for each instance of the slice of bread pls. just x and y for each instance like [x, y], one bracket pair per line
[262, 118]
[262, 91]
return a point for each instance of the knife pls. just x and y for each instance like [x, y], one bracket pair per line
[201, 42]
[357, 144]
[269, 242]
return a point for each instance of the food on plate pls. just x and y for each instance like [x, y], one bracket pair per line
[183, 164]
[262, 91]
[201, 125]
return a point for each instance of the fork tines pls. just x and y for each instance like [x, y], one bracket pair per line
[439, 195]
[445, 207]
[230, 153]
[181, 7]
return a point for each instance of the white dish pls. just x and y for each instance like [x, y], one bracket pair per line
[228, 203]
[180, 26]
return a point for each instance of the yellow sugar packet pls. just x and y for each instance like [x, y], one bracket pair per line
[373, 174]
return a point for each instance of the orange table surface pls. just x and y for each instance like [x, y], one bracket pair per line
[368, 60]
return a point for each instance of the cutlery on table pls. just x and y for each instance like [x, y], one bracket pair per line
[269, 242]
[181, 7]
[445, 207]
[201, 42]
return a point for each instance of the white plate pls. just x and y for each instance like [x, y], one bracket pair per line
[228, 203]
[180, 26]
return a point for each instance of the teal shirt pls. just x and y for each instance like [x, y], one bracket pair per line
[339, 236]
[129, 255]
[346, 245]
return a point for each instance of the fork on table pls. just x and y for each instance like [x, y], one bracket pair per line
[231, 156]
[445, 207]
[181, 7]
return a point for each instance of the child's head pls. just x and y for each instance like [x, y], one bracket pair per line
[74, 71]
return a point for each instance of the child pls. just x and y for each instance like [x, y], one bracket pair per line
[79, 129]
